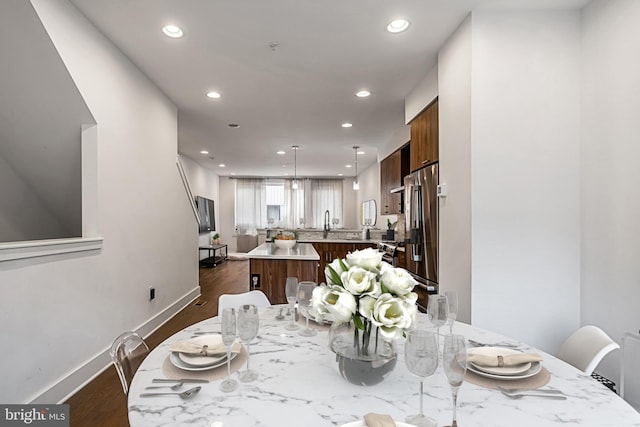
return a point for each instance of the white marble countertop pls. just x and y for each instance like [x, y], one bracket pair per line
[301, 251]
[299, 385]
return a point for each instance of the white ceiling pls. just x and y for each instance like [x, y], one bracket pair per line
[297, 94]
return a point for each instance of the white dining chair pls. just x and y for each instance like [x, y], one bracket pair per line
[586, 347]
[127, 353]
[255, 297]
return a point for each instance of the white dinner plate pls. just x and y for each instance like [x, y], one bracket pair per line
[175, 361]
[362, 424]
[535, 368]
[198, 360]
[499, 370]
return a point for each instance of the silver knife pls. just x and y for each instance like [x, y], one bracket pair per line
[182, 380]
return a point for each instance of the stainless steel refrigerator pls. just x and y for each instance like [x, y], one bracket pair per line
[421, 225]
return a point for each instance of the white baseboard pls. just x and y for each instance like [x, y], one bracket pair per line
[71, 383]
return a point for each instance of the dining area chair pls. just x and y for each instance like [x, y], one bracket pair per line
[255, 297]
[586, 347]
[127, 353]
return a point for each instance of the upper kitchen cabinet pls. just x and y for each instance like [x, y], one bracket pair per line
[424, 137]
[392, 172]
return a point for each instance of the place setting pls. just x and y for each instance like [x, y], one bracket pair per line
[498, 367]
[205, 357]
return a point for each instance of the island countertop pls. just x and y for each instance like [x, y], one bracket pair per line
[301, 251]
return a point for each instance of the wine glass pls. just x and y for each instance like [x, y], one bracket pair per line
[452, 301]
[421, 357]
[455, 365]
[438, 311]
[228, 333]
[291, 291]
[248, 330]
[305, 292]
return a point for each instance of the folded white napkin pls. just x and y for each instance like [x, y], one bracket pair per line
[190, 347]
[378, 420]
[503, 360]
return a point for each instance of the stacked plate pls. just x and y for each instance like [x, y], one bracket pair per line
[198, 362]
[515, 372]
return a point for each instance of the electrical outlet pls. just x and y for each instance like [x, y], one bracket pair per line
[152, 293]
[255, 281]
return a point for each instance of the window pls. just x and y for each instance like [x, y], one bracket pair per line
[262, 203]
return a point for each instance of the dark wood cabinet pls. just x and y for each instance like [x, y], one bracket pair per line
[393, 169]
[424, 137]
[273, 273]
[390, 178]
[329, 251]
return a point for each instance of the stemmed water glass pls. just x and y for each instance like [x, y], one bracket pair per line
[452, 301]
[455, 365]
[305, 292]
[291, 291]
[438, 311]
[248, 324]
[228, 333]
[421, 357]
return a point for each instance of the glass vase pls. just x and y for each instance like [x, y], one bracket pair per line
[364, 356]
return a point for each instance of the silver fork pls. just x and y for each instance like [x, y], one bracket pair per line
[533, 390]
[172, 387]
[520, 395]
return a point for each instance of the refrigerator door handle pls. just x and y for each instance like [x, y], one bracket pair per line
[417, 224]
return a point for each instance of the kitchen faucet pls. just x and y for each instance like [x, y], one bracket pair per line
[327, 228]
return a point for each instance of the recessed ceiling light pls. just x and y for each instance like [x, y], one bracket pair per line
[360, 152]
[204, 152]
[281, 152]
[233, 125]
[222, 165]
[346, 125]
[172, 31]
[214, 94]
[398, 26]
[348, 166]
[363, 93]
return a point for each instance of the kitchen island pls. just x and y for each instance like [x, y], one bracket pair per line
[269, 267]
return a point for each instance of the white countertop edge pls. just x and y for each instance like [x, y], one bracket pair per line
[300, 252]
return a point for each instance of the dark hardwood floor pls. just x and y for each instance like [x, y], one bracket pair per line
[102, 403]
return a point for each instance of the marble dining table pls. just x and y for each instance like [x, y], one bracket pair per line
[299, 385]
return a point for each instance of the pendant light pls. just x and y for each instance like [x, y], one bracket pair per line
[356, 185]
[294, 184]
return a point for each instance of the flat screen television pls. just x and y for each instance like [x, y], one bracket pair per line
[206, 213]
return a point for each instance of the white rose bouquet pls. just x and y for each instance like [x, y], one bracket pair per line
[369, 291]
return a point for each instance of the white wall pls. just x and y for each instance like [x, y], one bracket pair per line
[421, 95]
[206, 183]
[525, 181]
[454, 108]
[227, 212]
[610, 175]
[369, 180]
[60, 314]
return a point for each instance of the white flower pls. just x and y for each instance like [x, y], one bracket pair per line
[338, 267]
[359, 281]
[365, 306]
[333, 303]
[368, 258]
[398, 281]
[392, 315]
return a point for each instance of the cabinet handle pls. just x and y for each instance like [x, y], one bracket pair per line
[425, 161]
